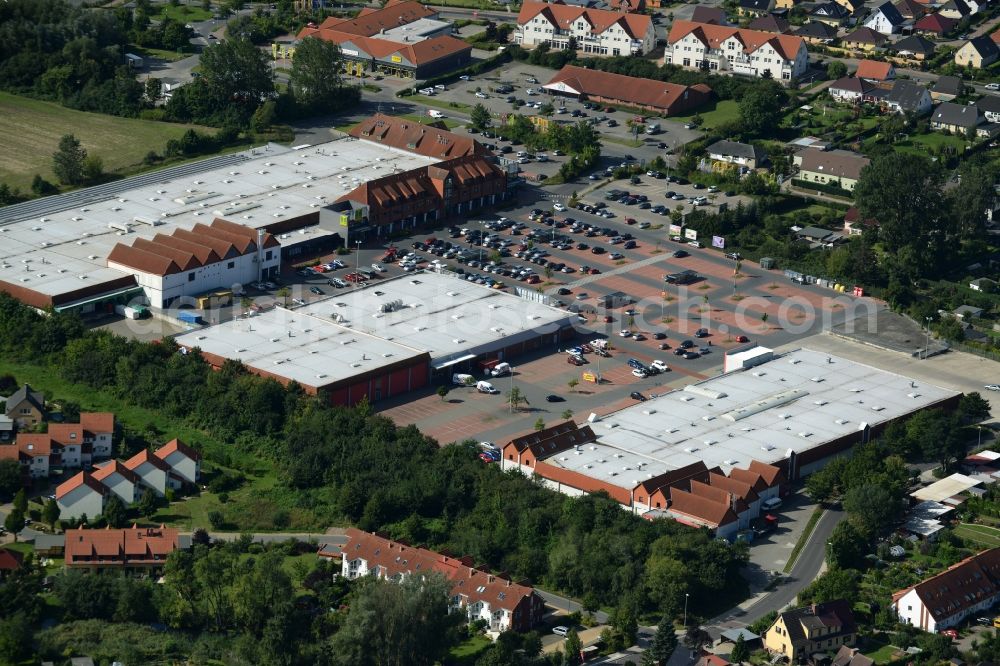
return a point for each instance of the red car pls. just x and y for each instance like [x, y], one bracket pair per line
[950, 633]
[608, 319]
[629, 220]
[594, 271]
[742, 338]
[534, 279]
[485, 458]
[319, 269]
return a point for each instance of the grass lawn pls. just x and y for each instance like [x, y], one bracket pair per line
[31, 131]
[184, 13]
[987, 536]
[714, 114]
[169, 56]
[192, 513]
[467, 651]
[921, 144]
[883, 654]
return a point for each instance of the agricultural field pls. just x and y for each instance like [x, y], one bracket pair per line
[32, 128]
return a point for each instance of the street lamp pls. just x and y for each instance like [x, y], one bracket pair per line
[927, 343]
[686, 595]
[512, 370]
[357, 256]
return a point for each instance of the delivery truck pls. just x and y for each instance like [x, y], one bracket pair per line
[460, 379]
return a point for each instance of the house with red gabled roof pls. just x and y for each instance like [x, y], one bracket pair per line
[695, 510]
[184, 461]
[98, 432]
[75, 452]
[729, 50]
[934, 24]
[480, 594]
[153, 473]
[972, 586]
[10, 560]
[875, 70]
[595, 31]
[134, 549]
[81, 495]
[43, 453]
[119, 480]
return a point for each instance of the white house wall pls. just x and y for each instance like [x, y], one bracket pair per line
[80, 501]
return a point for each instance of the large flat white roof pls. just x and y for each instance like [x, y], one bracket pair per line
[441, 313]
[297, 345]
[414, 32]
[65, 250]
[794, 402]
[946, 488]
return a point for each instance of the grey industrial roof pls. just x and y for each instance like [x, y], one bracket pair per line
[416, 31]
[793, 403]
[65, 248]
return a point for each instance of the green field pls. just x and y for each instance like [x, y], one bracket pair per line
[714, 114]
[31, 131]
[184, 13]
[987, 536]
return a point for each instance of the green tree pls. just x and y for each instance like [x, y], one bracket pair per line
[936, 436]
[760, 108]
[872, 507]
[479, 117]
[67, 161]
[664, 642]
[316, 76]
[263, 117]
[50, 513]
[741, 652]
[973, 408]
[832, 585]
[11, 479]
[15, 638]
[115, 512]
[847, 547]
[21, 501]
[93, 168]
[515, 398]
[148, 503]
[540, 424]
[836, 69]
[216, 519]
[14, 522]
[236, 74]
[442, 392]
[572, 384]
[666, 583]
[573, 647]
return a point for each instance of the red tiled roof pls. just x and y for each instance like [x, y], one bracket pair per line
[36, 445]
[935, 23]
[145, 456]
[178, 446]
[960, 587]
[742, 488]
[12, 452]
[10, 559]
[81, 479]
[910, 8]
[996, 36]
[115, 467]
[419, 53]
[708, 511]
[98, 422]
[369, 23]
[416, 138]
[66, 433]
[771, 474]
[631, 90]
[135, 545]
[873, 69]
[562, 16]
[398, 558]
[787, 46]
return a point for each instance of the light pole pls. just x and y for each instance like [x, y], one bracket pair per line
[512, 369]
[927, 343]
[686, 595]
[357, 256]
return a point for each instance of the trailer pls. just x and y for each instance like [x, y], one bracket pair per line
[189, 317]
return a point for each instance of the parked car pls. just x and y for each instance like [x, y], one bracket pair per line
[743, 338]
[552, 397]
[560, 630]
[635, 395]
[771, 503]
[316, 290]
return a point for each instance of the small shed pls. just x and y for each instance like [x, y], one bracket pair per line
[967, 312]
[750, 639]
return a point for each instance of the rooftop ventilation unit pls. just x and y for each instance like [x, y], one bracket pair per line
[841, 421]
[817, 379]
[766, 447]
[819, 402]
[708, 417]
[877, 408]
[194, 196]
[794, 361]
[709, 442]
[912, 395]
[648, 412]
[690, 449]
[805, 433]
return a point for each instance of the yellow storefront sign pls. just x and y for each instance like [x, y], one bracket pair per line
[396, 59]
[589, 377]
[343, 220]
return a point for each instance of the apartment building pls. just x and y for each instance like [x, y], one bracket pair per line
[726, 49]
[595, 31]
[969, 587]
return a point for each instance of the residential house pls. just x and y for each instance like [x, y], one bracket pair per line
[977, 53]
[885, 19]
[153, 473]
[82, 495]
[800, 632]
[775, 482]
[864, 39]
[134, 549]
[26, 407]
[989, 105]
[946, 88]
[597, 32]
[697, 511]
[184, 462]
[787, 5]
[914, 47]
[712, 660]
[908, 97]
[755, 7]
[75, 453]
[945, 600]
[841, 168]
[816, 32]
[875, 70]
[609, 88]
[910, 10]
[956, 118]
[955, 9]
[99, 432]
[732, 152]
[41, 451]
[713, 15]
[479, 594]
[119, 480]
[6, 429]
[830, 13]
[741, 490]
[934, 25]
[852, 6]
[985, 285]
[770, 23]
[735, 50]
[995, 36]
[854, 225]
[715, 493]
[10, 561]
[967, 312]
[851, 656]
[851, 90]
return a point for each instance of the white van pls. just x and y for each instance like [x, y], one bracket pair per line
[434, 113]
[486, 387]
[500, 370]
[459, 379]
[771, 503]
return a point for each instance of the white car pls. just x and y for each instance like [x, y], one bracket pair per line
[660, 365]
[636, 372]
[992, 387]
[558, 207]
[378, 267]
[771, 503]
[625, 333]
[465, 77]
[992, 86]
[560, 631]
[481, 95]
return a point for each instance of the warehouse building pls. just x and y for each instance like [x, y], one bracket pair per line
[173, 234]
[666, 99]
[384, 340]
[792, 412]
